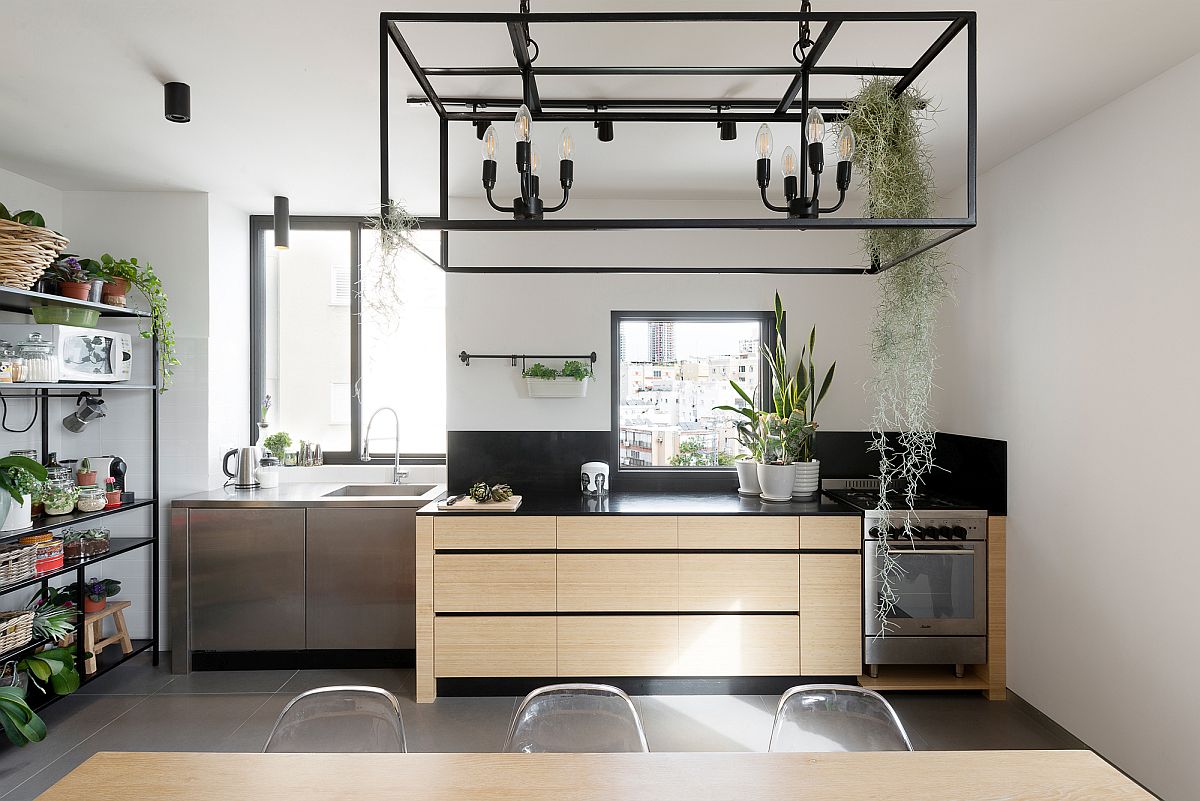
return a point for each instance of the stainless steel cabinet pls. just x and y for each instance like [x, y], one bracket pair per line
[361, 578]
[246, 577]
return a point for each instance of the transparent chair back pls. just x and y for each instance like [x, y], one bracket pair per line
[836, 717]
[576, 719]
[339, 720]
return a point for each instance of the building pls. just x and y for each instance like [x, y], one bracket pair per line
[661, 342]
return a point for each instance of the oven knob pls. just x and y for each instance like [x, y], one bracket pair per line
[959, 532]
[895, 532]
[920, 532]
[945, 533]
[874, 533]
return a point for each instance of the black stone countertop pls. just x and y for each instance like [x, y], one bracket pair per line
[659, 503]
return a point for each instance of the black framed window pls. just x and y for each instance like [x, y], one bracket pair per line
[332, 344]
[669, 370]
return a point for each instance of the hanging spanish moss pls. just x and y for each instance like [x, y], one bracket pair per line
[395, 228]
[896, 172]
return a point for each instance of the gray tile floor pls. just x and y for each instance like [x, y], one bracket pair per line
[142, 708]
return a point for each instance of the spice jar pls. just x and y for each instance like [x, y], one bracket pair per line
[91, 499]
[40, 366]
[14, 362]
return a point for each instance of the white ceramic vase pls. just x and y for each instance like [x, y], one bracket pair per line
[747, 472]
[808, 480]
[19, 515]
[776, 481]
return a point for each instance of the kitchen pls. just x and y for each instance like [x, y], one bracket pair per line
[707, 604]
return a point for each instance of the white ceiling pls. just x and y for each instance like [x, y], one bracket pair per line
[285, 94]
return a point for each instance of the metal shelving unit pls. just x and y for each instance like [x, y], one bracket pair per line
[22, 302]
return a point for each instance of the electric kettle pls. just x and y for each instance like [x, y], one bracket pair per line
[247, 464]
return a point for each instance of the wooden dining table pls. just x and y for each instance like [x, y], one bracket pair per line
[894, 776]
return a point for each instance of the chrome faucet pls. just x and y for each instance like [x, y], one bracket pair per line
[365, 456]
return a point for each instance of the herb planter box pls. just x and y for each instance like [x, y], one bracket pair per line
[562, 387]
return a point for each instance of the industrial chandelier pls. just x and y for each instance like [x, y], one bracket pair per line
[813, 148]
[528, 206]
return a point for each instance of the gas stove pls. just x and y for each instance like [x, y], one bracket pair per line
[933, 518]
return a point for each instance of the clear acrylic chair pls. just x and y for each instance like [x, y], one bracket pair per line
[576, 719]
[836, 717]
[339, 720]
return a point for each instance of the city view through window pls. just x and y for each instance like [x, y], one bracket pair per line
[672, 374]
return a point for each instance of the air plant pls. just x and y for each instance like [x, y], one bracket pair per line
[380, 282]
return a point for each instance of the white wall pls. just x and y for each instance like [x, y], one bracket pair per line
[18, 193]
[1074, 340]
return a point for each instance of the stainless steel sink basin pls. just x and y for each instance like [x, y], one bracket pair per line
[381, 491]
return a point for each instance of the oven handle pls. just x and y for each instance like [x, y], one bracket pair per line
[946, 552]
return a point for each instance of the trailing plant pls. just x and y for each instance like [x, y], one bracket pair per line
[895, 169]
[278, 444]
[21, 724]
[380, 285]
[143, 278]
[20, 476]
[54, 666]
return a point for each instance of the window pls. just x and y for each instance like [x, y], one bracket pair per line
[672, 369]
[330, 353]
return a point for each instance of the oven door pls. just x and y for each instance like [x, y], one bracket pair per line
[941, 591]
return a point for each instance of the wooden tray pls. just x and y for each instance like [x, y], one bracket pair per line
[472, 505]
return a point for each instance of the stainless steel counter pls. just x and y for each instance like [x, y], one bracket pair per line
[312, 495]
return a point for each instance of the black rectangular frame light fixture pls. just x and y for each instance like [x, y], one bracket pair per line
[793, 106]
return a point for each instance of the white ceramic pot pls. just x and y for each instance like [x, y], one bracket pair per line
[19, 515]
[808, 480]
[747, 473]
[776, 481]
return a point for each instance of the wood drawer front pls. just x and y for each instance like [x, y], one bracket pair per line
[831, 610]
[494, 646]
[618, 532]
[618, 582]
[739, 645]
[739, 582]
[640, 645]
[833, 533]
[748, 533]
[493, 582]
[490, 531]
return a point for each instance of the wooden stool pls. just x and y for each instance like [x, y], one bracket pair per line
[94, 641]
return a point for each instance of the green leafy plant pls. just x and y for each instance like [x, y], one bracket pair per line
[27, 217]
[96, 589]
[576, 369]
[54, 666]
[278, 444]
[143, 278]
[54, 614]
[747, 429]
[539, 370]
[20, 476]
[21, 724]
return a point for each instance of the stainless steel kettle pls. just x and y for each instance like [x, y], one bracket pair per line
[247, 464]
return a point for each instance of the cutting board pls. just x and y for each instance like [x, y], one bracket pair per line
[472, 505]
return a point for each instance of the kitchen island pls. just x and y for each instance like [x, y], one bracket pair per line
[708, 587]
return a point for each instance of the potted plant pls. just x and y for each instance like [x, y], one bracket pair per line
[747, 436]
[85, 476]
[59, 500]
[278, 444]
[54, 667]
[779, 440]
[20, 477]
[546, 382]
[20, 723]
[54, 615]
[143, 278]
[73, 280]
[96, 593]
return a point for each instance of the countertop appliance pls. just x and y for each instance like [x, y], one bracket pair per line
[940, 616]
[247, 465]
[89, 355]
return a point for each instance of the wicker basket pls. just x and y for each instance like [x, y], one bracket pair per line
[17, 563]
[16, 630]
[26, 251]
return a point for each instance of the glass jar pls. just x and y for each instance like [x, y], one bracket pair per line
[91, 499]
[15, 362]
[59, 495]
[40, 365]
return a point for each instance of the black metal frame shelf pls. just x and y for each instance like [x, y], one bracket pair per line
[72, 389]
[72, 519]
[117, 547]
[22, 301]
[792, 107]
[104, 663]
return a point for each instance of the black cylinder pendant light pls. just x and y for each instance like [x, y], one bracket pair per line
[283, 222]
[177, 102]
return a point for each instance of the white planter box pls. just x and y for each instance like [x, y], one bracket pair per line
[556, 387]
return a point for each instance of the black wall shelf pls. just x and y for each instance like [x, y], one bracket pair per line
[22, 301]
[465, 357]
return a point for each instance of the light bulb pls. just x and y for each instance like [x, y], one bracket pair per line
[763, 142]
[790, 164]
[566, 146]
[535, 159]
[815, 126]
[523, 123]
[489, 144]
[845, 143]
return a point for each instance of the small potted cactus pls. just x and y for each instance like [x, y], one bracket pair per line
[85, 476]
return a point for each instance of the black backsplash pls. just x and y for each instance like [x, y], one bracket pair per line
[541, 461]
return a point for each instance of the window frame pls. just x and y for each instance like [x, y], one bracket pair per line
[262, 224]
[662, 477]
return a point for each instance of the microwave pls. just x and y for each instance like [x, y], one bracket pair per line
[89, 355]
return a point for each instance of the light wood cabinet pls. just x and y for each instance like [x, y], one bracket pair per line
[615, 645]
[625, 532]
[739, 645]
[739, 582]
[495, 646]
[475, 532]
[831, 614]
[493, 582]
[732, 532]
[618, 582]
[831, 533]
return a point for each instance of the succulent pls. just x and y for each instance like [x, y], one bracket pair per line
[480, 492]
[501, 493]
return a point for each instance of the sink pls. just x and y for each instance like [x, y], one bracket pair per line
[381, 490]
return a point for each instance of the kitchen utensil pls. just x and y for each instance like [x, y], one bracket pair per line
[87, 409]
[454, 500]
[247, 464]
[465, 504]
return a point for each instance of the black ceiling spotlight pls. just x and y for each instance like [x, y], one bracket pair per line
[528, 206]
[282, 222]
[481, 127]
[177, 102]
[813, 148]
[728, 130]
[604, 130]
